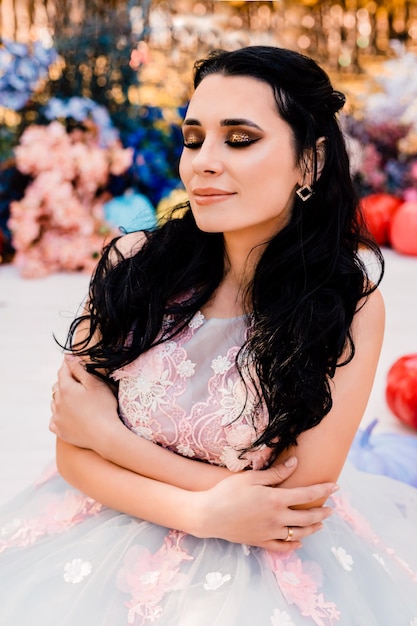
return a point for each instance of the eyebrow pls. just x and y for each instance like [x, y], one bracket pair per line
[238, 121]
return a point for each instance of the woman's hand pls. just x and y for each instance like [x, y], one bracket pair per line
[251, 508]
[84, 414]
[248, 507]
[243, 508]
[84, 408]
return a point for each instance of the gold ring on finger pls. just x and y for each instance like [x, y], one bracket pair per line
[290, 534]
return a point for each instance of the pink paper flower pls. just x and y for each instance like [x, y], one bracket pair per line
[59, 223]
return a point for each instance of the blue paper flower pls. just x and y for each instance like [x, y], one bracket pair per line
[21, 68]
[130, 212]
[80, 109]
[157, 147]
[390, 454]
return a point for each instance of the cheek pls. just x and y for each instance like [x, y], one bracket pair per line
[184, 167]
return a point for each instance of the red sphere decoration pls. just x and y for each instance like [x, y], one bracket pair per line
[378, 209]
[403, 233]
[401, 389]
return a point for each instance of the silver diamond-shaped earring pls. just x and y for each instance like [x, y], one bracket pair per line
[305, 192]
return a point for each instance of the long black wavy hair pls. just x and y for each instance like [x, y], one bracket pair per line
[308, 282]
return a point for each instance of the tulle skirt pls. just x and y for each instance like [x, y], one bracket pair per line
[65, 560]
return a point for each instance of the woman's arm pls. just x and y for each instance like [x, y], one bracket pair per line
[84, 414]
[243, 508]
[322, 451]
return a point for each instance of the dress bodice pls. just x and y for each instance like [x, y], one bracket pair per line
[187, 395]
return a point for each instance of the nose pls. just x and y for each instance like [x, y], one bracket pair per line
[207, 159]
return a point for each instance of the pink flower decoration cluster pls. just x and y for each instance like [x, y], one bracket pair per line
[148, 576]
[300, 583]
[58, 513]
[59, 223]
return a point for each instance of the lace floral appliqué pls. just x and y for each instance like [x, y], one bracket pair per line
[345, 559]
[76, 570]
[281, 618]
[362, 528]
[299, 582]
[59, 512]
[148, 577]
[214, 580]
[201, 411]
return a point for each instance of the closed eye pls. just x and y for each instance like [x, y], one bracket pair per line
[192, 140]
[192, 145]
[233, 142]
[241, 142]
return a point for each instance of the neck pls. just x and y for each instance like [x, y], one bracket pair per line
[241, 259]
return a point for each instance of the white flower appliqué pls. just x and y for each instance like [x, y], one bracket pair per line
[185, 450]
[76, 570]
[144, 432]
[197, 321]
[281, 618]
[214, 580]
[186, 369]
[220, 365]
[345, 559]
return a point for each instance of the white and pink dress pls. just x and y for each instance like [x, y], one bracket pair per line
[66, 560]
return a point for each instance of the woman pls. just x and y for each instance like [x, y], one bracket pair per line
[243, 339]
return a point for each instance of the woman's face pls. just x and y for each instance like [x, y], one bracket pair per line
[238, 164]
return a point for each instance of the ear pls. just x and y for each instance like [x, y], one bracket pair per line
[321, 155]
[309, 177]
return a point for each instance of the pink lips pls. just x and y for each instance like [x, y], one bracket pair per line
[209, 195]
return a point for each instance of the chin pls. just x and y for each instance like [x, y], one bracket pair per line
[208, 225]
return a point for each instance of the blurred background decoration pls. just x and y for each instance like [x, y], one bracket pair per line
[116, 75]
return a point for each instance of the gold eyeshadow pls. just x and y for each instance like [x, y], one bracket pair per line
[239, 137]
[190, 138]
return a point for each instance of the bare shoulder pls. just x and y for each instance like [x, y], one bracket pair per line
[375, 302]
[130, 244]
[370, 316]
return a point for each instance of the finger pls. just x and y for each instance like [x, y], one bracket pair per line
[276, 545]
[78, 372]
[296, 496]
[64, 374]
[52, 426]
[307, 517]
[54, 391]
[297, 533]
[76, 368]
[67, 376]
[276, 474]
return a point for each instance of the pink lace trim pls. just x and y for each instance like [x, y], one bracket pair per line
[215, 430]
